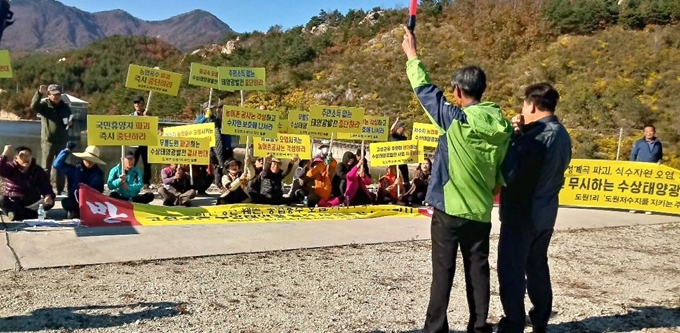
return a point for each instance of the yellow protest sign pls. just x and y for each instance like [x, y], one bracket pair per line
[150, 79]
[206, 130]
[297, 124]
[427, 134]
[374, 128]
[5, 65]
[122, 131]
[394, 153]
[204, 76]
[250, 122]
[284, 146]
[335, 119]
[173, 150]
[283, 125]
[242, 78]
[622, 185]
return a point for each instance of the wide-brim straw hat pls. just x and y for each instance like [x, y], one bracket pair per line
[91, 154]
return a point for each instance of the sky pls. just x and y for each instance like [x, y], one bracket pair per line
[240, 15]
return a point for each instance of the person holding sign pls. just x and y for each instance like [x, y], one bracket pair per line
[86, 171]
[141, 151]
[55, 120]
[125, 182]
[322, 185]
[389, 187]
[358, 178]
[534, 169]
[271, 188]
[466, 171]
[397, 134]
[235, 183]
[26, 185]
[176, 188]
[415, 196]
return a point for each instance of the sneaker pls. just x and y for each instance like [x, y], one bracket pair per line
[648, 213]
[632, 211]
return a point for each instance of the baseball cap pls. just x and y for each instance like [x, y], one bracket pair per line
[54, 89]
[129, 156]
[138, 99]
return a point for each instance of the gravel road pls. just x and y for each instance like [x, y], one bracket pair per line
[606, 280]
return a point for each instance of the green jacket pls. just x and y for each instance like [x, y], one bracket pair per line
[471, 148]
[53, 128]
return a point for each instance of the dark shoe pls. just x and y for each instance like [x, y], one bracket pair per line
[71, 215]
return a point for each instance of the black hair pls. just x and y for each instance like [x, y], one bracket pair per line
[471, 80]
[650, 125]
[543, 95]
[22, 148]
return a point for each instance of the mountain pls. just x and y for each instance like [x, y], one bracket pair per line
[49, 25]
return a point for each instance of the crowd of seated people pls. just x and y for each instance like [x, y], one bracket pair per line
[319, 182]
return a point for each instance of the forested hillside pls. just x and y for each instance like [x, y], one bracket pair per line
[615, 63]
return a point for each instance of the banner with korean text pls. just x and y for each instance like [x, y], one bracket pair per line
[284, 146]
[242, 78]
[98, 210]
[646, 187]
[426, 134]
[151, 79]
[297, 124]
[374, 128]
[5, 65]
[206, 130]
[173, 150]
[394, 153]
[122, 130]
[326, 120]
[250, 122]
[283, 125]
[204, 76]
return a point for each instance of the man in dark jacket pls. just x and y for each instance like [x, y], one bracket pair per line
[539, 154]
[176, 188]
[141, 151]
[86, 171]
[647, 149]
[397, 134]
[25, 184]
[55, 121]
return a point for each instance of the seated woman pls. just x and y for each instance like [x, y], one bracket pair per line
[340, 177]
[300, 186]
[125, 182]
[320, 177]
[416, 194]
[86, 172]
[26, 184]
[176, 189]
[271, 186]
[357, 194]
[235, 183]
[390, 188]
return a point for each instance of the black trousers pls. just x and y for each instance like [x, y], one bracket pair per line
[523, 266]
[49, 153]
[448, 232]
[17, 206]
[143, 152]
[71, 205]
[144, 198]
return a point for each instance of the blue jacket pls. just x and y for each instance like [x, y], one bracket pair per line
[134, 182]
[77, 174]
[644, 151]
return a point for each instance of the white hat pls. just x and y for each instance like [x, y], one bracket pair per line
[324, 143]
[91, 154]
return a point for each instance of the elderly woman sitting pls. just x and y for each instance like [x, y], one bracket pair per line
[235, 182]
[391, 187]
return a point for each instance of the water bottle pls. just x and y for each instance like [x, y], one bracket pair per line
[305, 201]
[41, 213]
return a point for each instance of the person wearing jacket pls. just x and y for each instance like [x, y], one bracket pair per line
[26, 183]
[534, 169]
[271, 188]
[415, 196]
[127, 185]
[86, 172]
[235, 183]
[218, 154]
[467, 171]
[176, 189]
[55, 119]
[349, 160]
[322, 185]
[358, 178]
[648, 149]
[140, 152]
[390, 188]
[300, 186]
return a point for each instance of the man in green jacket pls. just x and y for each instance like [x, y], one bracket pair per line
[55, 121]
[473, 140]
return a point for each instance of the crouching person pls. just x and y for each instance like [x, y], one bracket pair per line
[25, 184]
[128, 185]
[235, 183]
[176, 188]
[86, 172]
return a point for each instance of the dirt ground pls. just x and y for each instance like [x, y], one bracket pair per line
[605, 280]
